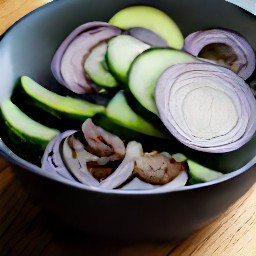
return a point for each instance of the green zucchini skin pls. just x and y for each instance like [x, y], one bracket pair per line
[24, 136]
[29, 151]
[136, 106]
[149, 143]
[53, 110]
[118, 118]
[109, 125]
[121, 113]
[199, 173]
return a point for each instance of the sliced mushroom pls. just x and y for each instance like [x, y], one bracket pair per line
[157, 168]
[179, 181]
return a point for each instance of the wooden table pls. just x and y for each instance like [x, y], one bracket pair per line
[26, 230]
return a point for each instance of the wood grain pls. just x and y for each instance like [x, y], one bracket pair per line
[26, 230]
[13, 10]
[234, 233]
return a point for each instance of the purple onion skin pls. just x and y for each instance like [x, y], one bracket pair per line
[56, 61]
[245, 55]
[90, 28]
[52, 160]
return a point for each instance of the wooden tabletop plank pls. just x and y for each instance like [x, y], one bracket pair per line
[26, 230]
[13, 10]
[233, 233]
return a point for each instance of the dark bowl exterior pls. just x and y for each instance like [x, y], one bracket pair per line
[151, 217]
[145, 218]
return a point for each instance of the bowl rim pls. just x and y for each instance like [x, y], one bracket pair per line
[28, 166]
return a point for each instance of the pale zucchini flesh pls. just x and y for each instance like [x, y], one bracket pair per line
[122, 50]
[149, 18]
[200, 173]
[96, 67]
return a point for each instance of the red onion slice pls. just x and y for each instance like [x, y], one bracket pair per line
[70, 156]
[99, 147]
[52, 160]
[125, 169]
[207, 107]
[76, 158]
[67, 64]
[179, 181]
[225, 47]
[137, 184]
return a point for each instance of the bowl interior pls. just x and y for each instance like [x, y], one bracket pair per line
[28, 47]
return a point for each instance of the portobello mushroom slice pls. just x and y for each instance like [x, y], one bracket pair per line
[156, 168]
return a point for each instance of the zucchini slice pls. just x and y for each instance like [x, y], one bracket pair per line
[121, 113]
[41, 104]
[146, 69]
[150, 18]
[200, 173]
[122, 50]
[25, 127]
[23, 135]
[113, 127]
[150, 143]
[96, 67]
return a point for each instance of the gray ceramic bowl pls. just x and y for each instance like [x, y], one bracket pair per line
[28, 47]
